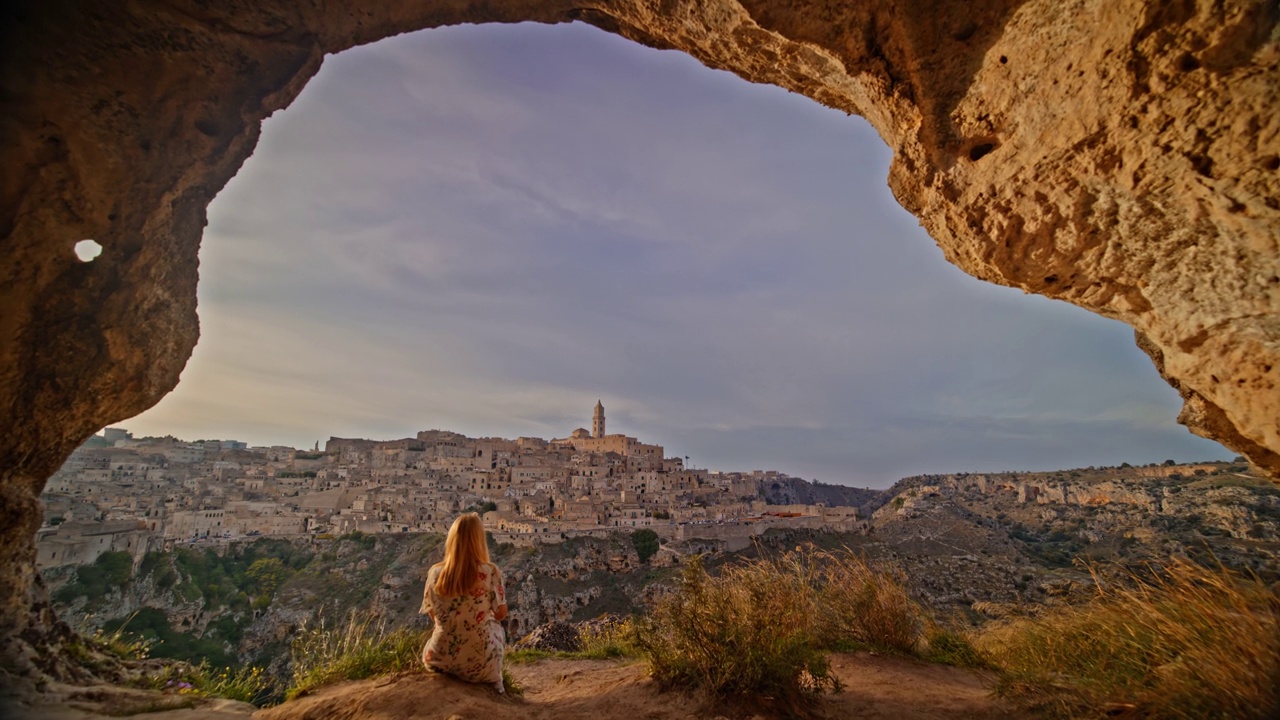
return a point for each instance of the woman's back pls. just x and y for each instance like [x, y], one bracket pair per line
[467, 639]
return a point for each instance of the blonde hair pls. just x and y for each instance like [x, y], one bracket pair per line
[464, 552]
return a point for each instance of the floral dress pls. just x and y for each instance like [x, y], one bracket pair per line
[467, 641]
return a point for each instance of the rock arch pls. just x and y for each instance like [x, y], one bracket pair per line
[1117, 154]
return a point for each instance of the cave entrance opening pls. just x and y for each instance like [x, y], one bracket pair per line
[481, 227]
[126, 139]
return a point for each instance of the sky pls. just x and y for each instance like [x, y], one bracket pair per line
[485, 229]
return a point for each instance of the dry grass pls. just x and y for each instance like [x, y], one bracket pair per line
[611, 640]
[363, 647]
[858, 604]
[762, 629]
[248, 684]
[746, 633]
[1188, 642]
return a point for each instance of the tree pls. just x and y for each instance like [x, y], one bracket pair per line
[646, 543]
[266, 575]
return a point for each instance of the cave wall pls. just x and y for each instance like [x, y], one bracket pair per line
[1121, 155]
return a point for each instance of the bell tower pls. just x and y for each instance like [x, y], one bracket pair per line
[597, 421]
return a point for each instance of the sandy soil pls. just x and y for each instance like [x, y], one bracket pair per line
[875, 687]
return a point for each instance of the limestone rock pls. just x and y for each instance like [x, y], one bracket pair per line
[1122, 155]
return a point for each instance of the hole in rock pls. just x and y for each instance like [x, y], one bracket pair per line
[1004, 60]
[1203, 164]
[88, 250]
[207, 127]
[977, 152]
[1188, 62]
[966, 32]
[1271, 162]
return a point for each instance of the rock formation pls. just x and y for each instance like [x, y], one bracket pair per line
[1122, 155]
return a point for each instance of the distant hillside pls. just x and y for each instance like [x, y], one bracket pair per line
[798, 491]
[963, 542]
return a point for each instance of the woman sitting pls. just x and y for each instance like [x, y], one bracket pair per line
[466, 600]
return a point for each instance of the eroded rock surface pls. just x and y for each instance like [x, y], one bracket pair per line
[1123, 155]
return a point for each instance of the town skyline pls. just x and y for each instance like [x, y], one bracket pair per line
[587, 440]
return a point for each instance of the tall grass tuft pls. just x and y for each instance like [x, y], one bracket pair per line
[247, 684]
[746, 633]
[610, 640]
[860, 605]
[1189, 642]
[361, 648]
[120, 644]
[762, 628]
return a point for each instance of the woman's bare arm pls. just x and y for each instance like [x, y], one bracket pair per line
[500, 613]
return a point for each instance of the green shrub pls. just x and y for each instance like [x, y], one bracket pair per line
[265, 575]
[646, 544]
[152, 625]
[364, 540]
[1191, 642]
[111, 569]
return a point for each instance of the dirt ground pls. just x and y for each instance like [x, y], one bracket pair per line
[875, 687]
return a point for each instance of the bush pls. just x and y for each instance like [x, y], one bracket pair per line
[111, 570]
[761, 629]
[364, 540]
[861, 605]
[953, 647]
[746, 633]
[1191, 642]
[152, 625]
[646, 544]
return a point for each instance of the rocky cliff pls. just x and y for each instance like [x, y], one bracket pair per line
[234, 604]
[962, 542]
[1122, 155]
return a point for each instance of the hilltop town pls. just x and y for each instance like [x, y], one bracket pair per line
[220, 550]
[120, 493]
